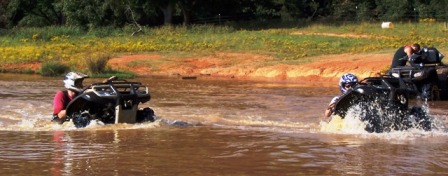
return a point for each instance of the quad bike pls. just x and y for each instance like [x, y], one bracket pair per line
[428, 72]
[383, 104]
[111, 101]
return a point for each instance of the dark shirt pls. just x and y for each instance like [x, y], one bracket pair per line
[400, 58]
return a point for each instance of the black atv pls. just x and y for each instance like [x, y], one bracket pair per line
[111, 101]
[383, 104]
[428, 72]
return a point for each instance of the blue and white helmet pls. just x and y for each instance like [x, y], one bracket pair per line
[73, 81]
[347, 78]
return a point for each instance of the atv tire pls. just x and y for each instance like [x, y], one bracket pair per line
[81, 119]
[443, 85]
[146, 115]
[422, 120]
[435, 93]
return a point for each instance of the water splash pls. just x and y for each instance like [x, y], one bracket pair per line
[418, 120]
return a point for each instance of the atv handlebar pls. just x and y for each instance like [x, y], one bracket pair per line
[112, 78]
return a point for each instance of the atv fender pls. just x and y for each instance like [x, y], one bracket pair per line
[349, 99]
[76, 105]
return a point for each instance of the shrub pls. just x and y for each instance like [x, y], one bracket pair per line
[96, 63]
[54, 69]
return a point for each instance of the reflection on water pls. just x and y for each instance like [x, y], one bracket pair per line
[216, 151]
[241, 128]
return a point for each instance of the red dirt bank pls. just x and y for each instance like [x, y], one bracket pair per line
[325, 69]
[251, 66]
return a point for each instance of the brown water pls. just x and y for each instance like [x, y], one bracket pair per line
[239, 128]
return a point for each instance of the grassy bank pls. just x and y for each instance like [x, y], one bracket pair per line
[77, 48]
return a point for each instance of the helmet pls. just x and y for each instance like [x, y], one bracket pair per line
[73, 81]
[346, 79]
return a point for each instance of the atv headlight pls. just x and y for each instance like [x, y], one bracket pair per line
[396, 75]
[418, 74]
[361, 91]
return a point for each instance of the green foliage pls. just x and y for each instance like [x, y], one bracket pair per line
[44, 33]
[439, 8]
[53, 69]
[395, 10]
[35, 13]
[96, 63]
[94, 14]
[294, 45]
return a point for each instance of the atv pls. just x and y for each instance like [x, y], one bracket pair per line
[383, 104]
[111, 101]
[426, 69]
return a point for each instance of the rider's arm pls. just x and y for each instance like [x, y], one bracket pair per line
[408, 50]
[331, 106]
[329, 110]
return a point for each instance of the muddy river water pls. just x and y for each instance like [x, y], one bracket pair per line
[236, 128]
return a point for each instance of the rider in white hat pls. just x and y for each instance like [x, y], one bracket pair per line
[73, 85]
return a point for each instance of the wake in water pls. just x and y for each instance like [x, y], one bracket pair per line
[369, 117]
[18, 115]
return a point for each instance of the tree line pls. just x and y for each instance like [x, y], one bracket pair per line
[118, 13]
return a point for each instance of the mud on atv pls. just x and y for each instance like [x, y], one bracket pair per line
[426, 69]
[112, 101]
[383, 104]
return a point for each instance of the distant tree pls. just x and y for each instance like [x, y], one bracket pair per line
[359, 10]
[314, 9]
[3, 18]
[424, 10]
[95, 13]
[187, 7]
[211, 11]
[345, 9]
[261, 9]
[167, 8]
[396, 10]
[365, 10]
[35, 13]
[439, 8]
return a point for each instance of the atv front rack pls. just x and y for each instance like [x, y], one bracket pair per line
[409, 72]
[120, 89]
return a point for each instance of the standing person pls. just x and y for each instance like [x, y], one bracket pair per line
[73, 85]
[403, 54]
[346, 82]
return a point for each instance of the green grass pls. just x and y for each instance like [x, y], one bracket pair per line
[69, 45]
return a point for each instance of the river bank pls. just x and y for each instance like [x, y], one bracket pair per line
[254, 67]
[243, 66]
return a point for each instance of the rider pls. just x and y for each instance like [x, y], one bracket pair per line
[403, 54]
[346, 82]
[73, 84]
